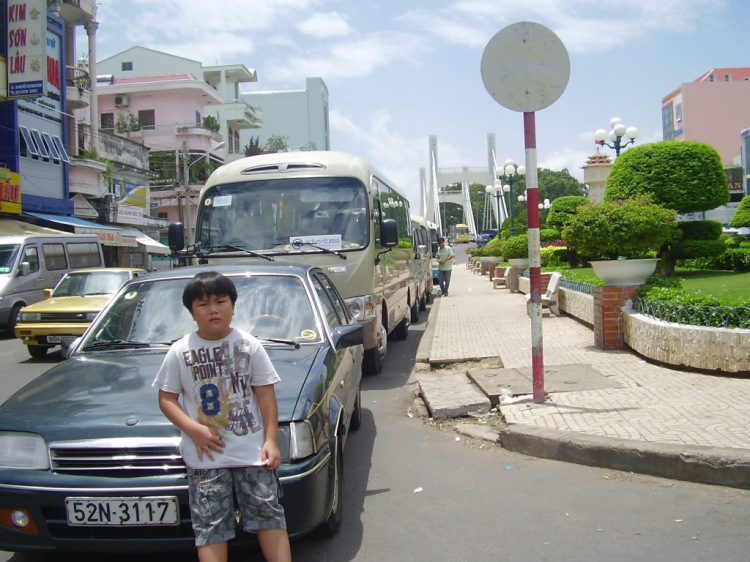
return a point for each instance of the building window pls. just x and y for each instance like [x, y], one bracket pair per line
[710, 77]
[126, 66]
[108, 122]
[198, 120]
[678, 112]
[727, 78]
[164, 216]
[147, 119]
[667, 123]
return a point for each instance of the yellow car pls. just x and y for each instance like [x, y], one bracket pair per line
[73, 304]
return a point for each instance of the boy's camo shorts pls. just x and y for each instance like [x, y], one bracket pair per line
[216, 493]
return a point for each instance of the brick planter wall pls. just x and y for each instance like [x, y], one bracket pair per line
[608, 312]
[700, 347]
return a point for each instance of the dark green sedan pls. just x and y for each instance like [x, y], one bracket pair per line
[89, 463]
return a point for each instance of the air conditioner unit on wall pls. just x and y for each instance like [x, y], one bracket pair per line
[121, 101]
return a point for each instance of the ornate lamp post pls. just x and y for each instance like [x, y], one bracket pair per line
[497, 192]
[508, 172]
[615, 136]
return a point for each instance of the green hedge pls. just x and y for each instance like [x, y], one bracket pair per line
[700, 230]
[734, 259]
[549, 235]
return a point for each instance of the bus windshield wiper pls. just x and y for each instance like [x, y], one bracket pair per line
[241, 249]
[277, 340]
[297, 244]
[120, 344]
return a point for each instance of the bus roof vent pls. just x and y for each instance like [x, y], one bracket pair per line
[281, 168]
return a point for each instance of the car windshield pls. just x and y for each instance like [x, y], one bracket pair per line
[8, 257]
[151, 312]
[90, 283]
[285, 215]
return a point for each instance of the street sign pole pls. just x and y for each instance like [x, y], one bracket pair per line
[525, 68]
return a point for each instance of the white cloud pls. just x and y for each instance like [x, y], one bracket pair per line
[447, 28]
[349, 59]
[569, 158]
[323, 26]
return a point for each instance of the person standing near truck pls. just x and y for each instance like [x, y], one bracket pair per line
[445, 259]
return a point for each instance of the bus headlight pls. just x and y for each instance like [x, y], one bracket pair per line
[361, 307]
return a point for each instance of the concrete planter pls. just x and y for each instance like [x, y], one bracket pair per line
[495, 260]
[519, 263]
[624, 273]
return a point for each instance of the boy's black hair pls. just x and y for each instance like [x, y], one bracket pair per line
[206, 284]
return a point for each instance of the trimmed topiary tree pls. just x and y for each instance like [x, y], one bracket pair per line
[681, 175]
[563, 208]
[516, 247]
[742, 217]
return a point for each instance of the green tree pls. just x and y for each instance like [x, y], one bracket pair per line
[253, 148]
[211, 123]
[563, 208]
[275, 143]
[452, 214]
[742, 217]
[681, 175]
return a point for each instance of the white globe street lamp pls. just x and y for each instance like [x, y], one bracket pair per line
[615, 135]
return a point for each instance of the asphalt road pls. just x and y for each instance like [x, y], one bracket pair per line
[478, 505]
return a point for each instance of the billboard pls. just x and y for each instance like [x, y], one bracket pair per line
[27, 48]
[10, 191]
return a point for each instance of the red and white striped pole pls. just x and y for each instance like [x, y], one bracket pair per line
[535, 261]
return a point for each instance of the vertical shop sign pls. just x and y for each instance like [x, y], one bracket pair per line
[27, 48]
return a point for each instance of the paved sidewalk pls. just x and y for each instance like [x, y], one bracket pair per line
[654, 405]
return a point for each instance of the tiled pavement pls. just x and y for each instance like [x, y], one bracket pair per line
[655, 403]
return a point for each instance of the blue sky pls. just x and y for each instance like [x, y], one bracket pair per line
[398, 71]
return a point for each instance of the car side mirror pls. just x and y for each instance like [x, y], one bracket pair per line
[48, 293]
[67, 350]
[25, 269]
[176, 236]
[348, 336]
[389, 233]
[435, 248]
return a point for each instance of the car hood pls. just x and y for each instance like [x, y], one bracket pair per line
[70, 304]
[109, 394]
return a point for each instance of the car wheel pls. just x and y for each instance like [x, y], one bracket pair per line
[423, 302]
[356, 420]
[37, 351]
[13, 319]
[331, 525]
[372, 363]
[414, 311]
[402, 330]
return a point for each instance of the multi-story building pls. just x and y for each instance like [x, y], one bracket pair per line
[712, 109]
[189, 116]
[301, 116]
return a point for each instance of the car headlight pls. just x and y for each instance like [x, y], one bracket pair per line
[91, 315]
[302, 440]
[361, 307]
[26, 451]
[31, 317]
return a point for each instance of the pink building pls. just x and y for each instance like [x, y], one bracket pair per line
[713, 109]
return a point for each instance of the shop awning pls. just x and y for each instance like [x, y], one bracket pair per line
[108, 235]
[10, 227]
[82, 208]
[152, 246]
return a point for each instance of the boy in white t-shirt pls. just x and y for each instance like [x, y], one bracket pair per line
[229, 423]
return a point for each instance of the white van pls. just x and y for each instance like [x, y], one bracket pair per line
[30, 263]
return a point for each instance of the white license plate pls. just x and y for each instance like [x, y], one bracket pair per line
[122, 512]
[54, 339]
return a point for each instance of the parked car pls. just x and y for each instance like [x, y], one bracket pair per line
[89, 462]
[70, 308]
[472, 237]
[485, 236]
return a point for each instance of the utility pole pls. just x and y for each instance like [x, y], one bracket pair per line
[186, 186]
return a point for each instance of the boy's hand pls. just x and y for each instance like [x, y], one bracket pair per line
[270, 455]
[206, 441]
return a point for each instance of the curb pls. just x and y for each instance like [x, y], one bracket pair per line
[705, 465]
[425, 344]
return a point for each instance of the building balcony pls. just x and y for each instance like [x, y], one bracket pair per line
[78, 84]
[78, 12]
[239, 115]
[86, 177]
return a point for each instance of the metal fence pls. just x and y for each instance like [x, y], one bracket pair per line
[695, 315]
[580, 286]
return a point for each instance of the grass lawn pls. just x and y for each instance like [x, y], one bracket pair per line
[722, 284]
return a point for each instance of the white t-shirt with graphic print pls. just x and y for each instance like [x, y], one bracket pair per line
[215, 380]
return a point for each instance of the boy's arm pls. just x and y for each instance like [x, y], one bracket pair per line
[205, 441]
[269, 411]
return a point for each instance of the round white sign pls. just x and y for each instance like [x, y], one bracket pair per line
[525, 67]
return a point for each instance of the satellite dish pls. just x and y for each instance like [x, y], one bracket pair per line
[525, 67]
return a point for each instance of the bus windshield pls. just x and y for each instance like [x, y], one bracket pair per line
[462, 229]
[291, 214]
[8, 257]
